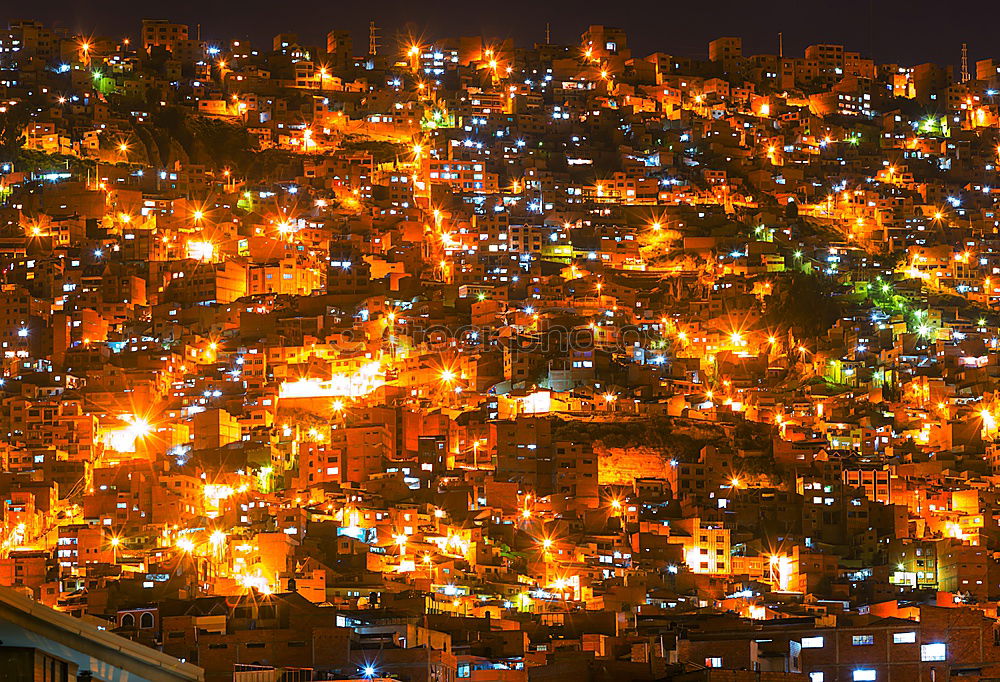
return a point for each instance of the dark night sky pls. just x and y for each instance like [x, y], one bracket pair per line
[904, 32]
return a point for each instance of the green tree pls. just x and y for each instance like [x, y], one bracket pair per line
[13, 119]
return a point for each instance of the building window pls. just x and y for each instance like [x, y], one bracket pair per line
[713, 662]
[812, 642]
[816, 677]
[864, 675]
[862, 640]
[904, 637]
[933, 652]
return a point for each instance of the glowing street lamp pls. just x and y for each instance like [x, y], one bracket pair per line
[217, 538]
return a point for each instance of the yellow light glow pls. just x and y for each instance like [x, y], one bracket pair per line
[342, 385]
[202, 251]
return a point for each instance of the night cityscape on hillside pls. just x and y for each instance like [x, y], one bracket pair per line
[525, 352]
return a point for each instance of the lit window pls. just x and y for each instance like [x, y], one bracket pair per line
[816, 677]
[812, 642]
[933, 652]
[713, 662]
[864, 675]
[904, 637]
[863, 640]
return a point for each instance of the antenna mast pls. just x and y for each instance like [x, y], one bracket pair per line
[372, 39]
